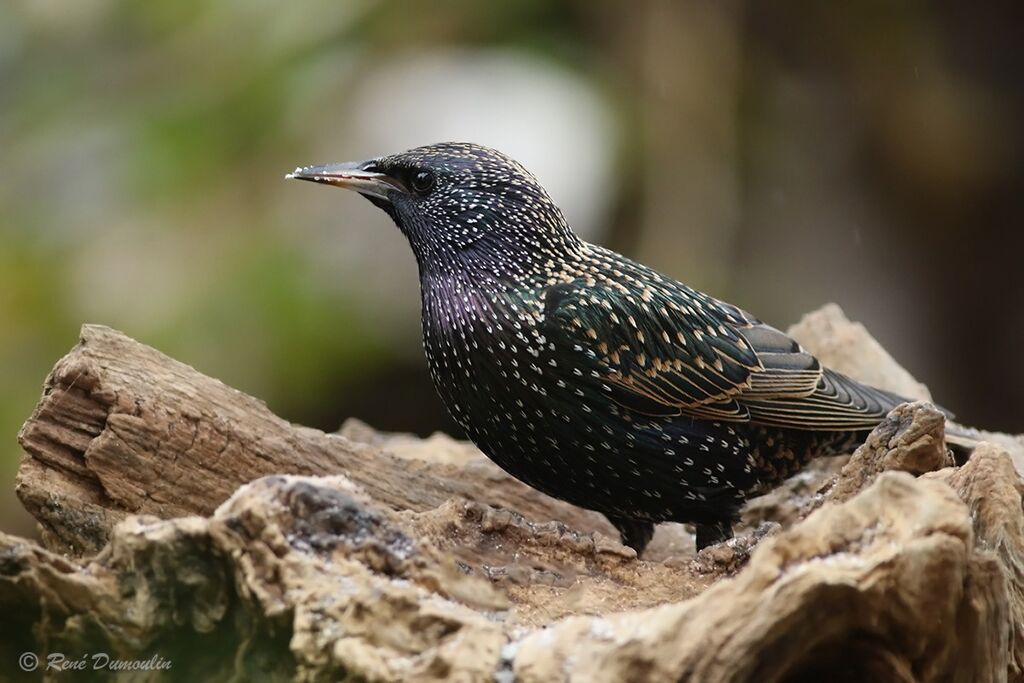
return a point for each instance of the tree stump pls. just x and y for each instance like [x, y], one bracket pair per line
[190, 532]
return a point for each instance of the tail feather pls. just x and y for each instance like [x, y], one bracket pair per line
[963, 440]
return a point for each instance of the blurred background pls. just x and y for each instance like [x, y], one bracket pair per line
[777, 155]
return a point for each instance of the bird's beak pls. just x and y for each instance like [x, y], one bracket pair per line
[353, 175]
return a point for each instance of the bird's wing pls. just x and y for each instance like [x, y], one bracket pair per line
[651, 353]
[675, 351]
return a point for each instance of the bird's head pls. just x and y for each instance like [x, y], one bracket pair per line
[459, 205]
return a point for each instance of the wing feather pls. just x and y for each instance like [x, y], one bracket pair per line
[670, 350]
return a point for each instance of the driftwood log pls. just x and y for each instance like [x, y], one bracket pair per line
[181, 520]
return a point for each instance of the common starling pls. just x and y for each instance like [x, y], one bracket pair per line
[591, 377]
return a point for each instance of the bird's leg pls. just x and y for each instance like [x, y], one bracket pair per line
[635, 533]
[710, 534]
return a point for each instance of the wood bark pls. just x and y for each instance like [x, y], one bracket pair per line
[123, 429]
[182, 519]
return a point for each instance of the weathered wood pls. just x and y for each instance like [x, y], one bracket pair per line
[422, 561]
[123, 429]
[888, 586]
[301, 578]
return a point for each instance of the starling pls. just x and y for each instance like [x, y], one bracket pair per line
[591, 377]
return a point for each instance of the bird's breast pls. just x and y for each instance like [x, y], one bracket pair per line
[487, 355]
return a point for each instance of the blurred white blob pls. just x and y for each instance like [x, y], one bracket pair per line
[534, 111]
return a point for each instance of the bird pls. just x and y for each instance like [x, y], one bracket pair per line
[592, 377]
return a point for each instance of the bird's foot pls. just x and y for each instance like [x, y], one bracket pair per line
[710, 534]
[634, 533]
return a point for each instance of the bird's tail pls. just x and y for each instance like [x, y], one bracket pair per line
[962, 440]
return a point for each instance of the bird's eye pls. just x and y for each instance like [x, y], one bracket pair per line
[423, 181]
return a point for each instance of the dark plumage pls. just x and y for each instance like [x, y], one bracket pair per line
[592, 377]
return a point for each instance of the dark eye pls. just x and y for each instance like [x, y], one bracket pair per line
[423, 181]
